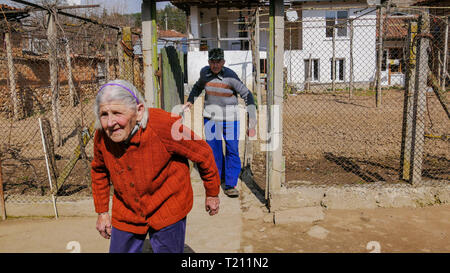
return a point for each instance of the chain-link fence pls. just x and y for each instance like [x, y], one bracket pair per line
[366, 96]
[51, 69]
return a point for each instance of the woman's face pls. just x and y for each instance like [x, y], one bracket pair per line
[118, 120]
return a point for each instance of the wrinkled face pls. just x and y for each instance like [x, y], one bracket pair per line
[216, 65]
[118, 120]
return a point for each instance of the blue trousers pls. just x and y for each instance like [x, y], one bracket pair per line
[166, 240]
[229, 165]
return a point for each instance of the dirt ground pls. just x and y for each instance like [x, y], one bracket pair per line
[328, 138]
[357, 231]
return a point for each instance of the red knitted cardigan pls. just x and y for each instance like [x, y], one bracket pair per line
[151, 177]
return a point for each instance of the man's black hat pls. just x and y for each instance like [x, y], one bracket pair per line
[215, 54]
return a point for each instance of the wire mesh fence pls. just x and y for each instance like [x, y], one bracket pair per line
[366, 97]
[51, 69]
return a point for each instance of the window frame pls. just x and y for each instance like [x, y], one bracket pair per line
[331, 19]
[315, 67]
[338, 71]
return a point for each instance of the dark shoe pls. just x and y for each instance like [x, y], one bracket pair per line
[232, 192]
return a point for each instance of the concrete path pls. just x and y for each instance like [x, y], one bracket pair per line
[219, 233]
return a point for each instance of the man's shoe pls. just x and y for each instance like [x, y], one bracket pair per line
[232, 192]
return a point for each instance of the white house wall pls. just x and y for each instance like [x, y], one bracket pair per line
[204, 25]
[316, 44]
[239, 61]
[314, 40]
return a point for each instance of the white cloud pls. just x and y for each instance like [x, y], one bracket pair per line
[74, 2]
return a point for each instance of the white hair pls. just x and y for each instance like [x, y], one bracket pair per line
[117, 93]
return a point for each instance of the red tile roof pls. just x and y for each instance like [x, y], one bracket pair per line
[396, 28]
[6, 7]
[170, 34]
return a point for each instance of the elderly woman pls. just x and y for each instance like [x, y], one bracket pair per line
[136, 151]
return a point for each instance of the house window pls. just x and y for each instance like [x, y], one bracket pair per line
[339, 69]
[396, 64]
[312, 70]
[337, 20]
[293, 34]
[243, 32]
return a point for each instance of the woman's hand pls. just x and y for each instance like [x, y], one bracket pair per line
[104, 225]
[187, 106]
[212, 205]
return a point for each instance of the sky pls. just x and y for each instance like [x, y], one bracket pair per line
[125, 6]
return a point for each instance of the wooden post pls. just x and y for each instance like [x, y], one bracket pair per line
[107, 54]
[120, 56]
[86, 43]
[149, 52]
[2, 196]
[53, 62]
[333, 60]
[380, 57]
[308, 80]
[137, 74]
[255, 57]
[437, 91]
[188, 27]
[350, 83]
[49, 148]
[444, 68]
[83, 156]
[128, 55]
[438, 64]
[12, 76]
[257, 60]
[218, 28]
[72, 95]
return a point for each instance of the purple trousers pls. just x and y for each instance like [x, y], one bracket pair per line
[166, 240]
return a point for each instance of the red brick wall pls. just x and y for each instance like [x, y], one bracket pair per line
[32, 75]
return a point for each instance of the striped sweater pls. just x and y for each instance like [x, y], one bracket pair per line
[221, 102]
